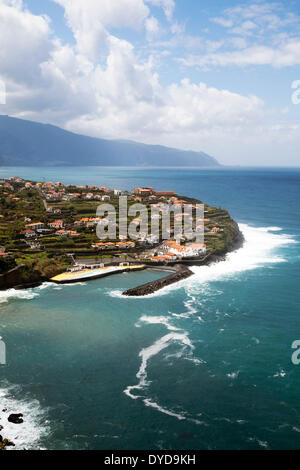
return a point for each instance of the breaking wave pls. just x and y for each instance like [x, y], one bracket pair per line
[27, 435]
[10, 294]
[259, 250]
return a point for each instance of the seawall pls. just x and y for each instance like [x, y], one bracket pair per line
[180, 273]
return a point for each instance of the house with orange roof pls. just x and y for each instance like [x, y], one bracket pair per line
[104, 245]
[57, 224]
[28, 233]
[67, 233]
[160, 258]
[82, 222]
[142, 192]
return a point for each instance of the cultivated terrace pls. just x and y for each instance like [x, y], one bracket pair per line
[46, 226]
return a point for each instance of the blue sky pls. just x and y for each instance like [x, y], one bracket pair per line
[213, 76]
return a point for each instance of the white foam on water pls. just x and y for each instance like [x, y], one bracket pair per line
[148, 353]
[270, 229]
[28, 434]
[10, 294]
[263, 444]
[233, 375]
[116, 294]
[165, 411]
[186, 352]
[157, 320]
[259, 250]
[180, 416]
[23, 294]
[74, 284]
[281, 374]
[45, 285]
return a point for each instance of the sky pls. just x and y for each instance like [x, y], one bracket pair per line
[217, 76]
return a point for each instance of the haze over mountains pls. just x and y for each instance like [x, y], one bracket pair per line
[27, 143]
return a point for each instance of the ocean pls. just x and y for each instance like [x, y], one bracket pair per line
[203, 364]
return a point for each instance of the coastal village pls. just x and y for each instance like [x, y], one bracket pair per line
[50, 227]
[48, 232]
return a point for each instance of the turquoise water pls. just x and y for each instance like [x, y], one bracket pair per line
[204, 364]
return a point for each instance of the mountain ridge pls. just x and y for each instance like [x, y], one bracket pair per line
[29, 143]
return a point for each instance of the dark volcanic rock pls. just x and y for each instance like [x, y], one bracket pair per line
[5, 443]
[8, 443]
[16, 418]
[181, 273]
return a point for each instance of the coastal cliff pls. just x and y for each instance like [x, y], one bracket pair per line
[32, 272]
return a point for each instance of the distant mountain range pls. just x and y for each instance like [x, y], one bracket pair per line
[27, 143]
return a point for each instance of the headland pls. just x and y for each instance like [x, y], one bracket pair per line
[48, 232]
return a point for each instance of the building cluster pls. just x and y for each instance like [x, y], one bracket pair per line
[161, 200]
[32, 230]
[149, 194]
[172, 251]
[58, 192]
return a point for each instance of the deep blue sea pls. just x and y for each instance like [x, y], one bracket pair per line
[204, 364]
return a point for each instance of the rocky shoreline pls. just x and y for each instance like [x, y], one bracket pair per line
[12, 418]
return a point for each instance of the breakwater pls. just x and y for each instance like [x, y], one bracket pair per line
[179, 273]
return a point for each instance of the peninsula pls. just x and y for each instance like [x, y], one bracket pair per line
[48, 233]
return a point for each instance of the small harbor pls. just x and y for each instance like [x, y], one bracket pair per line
[87, 273]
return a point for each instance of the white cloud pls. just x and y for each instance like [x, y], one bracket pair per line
[122, 95]
[225, 22]
[167, 5]
[286, 55]
[152, 28]
[89, 19]
[25, 41]
[266, 16]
